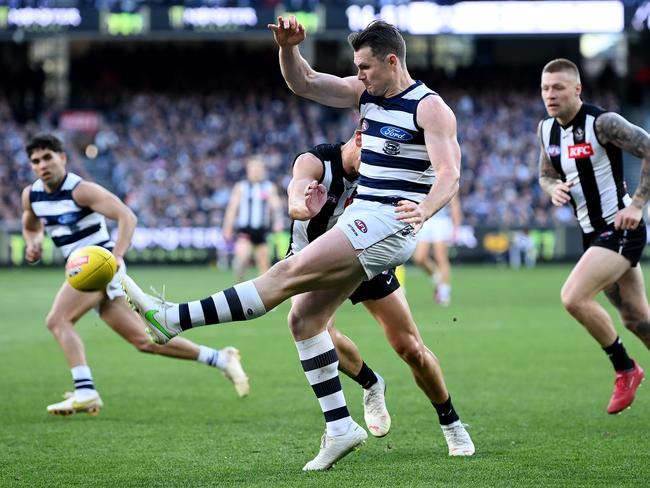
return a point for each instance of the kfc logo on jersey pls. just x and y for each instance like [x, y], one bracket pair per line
[364, 125]
[361, 225]
[553, 150]
[581, 151]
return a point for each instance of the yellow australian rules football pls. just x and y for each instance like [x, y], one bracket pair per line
[90, 268]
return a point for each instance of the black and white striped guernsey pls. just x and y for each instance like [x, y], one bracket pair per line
[69, 225]
[394, 160]
[596, 170]
[340, 190]
[254, 209]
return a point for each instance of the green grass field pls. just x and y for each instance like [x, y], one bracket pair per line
[527, 379]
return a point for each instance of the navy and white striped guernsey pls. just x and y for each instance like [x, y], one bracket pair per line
[394, 160]
[595, 169]
[69, 225]
[340, 190]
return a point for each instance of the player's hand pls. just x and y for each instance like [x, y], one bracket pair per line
[227, 234]
[33, 253]
[315, 197]
[628, 218]
[410, 213]
[562, 193]
[287, 32]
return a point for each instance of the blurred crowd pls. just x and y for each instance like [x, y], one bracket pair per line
[174, 158]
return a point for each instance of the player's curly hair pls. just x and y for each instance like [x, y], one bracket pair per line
[382, 38]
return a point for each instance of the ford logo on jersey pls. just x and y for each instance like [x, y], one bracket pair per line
[67, 219]
[395, 133]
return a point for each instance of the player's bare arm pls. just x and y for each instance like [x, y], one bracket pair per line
[99, 199]
[614, 129]
[302, 79]
[32, 229]
[439, 125]
[231, 211]
[305, 193]
[549, 179]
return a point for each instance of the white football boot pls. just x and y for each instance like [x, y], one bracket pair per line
[234, 372]
[76, 402]
[375, 412]
[153, 310]
[334, 448]
[458, 439]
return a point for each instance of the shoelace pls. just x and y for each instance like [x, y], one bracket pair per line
[158, 295]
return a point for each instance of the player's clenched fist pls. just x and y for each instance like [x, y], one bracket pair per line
[561, 193]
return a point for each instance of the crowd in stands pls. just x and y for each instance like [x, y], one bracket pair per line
[174, 158]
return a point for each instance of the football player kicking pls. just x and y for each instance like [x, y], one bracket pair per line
[72, 212]
[323, 183]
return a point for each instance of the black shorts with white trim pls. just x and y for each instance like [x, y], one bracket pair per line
[627, 243]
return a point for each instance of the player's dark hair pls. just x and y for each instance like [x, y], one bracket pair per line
[44, 141]
[382, 38]
[561, 64]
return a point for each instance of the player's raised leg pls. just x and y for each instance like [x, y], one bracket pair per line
[69, 305]
[329, 261]
[597, 270]
[394, 315]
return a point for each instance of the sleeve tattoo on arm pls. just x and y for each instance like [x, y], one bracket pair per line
[614, 129]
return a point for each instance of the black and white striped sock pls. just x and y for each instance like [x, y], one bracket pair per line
[240, 302]
[320, 363]
[83, 378]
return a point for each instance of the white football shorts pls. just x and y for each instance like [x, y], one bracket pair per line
[438, 228]
[384, 241]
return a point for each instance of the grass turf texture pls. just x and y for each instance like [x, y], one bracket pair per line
[530, 382]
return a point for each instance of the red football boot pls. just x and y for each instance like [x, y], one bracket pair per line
[625, 388]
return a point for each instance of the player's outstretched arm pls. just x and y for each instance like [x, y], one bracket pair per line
[306, 196]
[32, 229]
[302, 79]
[549, 179]
[102, 201]
[439, 125]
